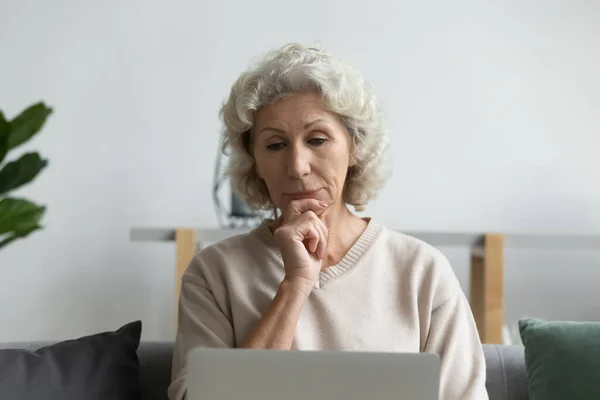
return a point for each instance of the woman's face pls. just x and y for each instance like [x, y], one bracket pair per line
[301, 150]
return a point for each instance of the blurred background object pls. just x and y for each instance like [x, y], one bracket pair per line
[238, 214]
[20, 217]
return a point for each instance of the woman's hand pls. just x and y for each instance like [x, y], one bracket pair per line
[302, 239]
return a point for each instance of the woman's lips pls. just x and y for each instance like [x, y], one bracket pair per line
[313, 194]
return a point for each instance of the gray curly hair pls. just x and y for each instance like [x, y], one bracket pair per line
[295, 68]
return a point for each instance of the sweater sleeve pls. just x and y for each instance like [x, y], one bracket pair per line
[453, 336]
[201, 323]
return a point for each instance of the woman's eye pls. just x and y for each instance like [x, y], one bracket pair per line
[317, 141]
[275, 146]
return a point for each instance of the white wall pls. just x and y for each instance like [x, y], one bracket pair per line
[494, 110]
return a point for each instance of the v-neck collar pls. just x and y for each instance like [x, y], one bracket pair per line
[347, 262]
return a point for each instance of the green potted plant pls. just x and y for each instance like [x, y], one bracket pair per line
[20, 217]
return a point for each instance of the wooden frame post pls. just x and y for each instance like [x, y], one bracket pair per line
[185, 244]
[487, 288]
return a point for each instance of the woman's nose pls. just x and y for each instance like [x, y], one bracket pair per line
[298, 162]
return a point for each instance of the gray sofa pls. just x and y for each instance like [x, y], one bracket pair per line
[506, 374]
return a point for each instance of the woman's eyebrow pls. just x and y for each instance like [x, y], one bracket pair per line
[306, 126]
[316, 121]
[270, 128]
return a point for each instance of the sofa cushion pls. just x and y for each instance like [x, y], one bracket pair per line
[562, 359]
[100, 366]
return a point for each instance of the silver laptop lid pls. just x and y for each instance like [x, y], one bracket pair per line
[240, 374]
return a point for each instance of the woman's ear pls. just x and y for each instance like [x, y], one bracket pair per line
[257, 170]
[247, 144]
[247, 141]
[352, 162]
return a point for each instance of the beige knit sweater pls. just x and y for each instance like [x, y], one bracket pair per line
[391, 292]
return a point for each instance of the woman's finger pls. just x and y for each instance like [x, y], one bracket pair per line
[298, 207]
[322, 229]
[308, 233]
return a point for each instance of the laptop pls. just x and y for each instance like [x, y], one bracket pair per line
[244, 374]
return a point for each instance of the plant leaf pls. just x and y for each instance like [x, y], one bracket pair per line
[13, 237]
[7, 240]
[27, 124]
[4, 125]
[19, 217]
[4, 133]
[20, 172]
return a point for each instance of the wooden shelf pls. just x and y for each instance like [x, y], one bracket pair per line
[487, 260]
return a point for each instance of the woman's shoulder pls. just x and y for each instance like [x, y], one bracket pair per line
[421, 263]
[234, 254]
[405, 246]
[254, 240]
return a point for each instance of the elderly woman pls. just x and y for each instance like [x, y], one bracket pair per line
[307, 140]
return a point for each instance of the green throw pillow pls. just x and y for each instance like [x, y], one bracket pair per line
[562, 359]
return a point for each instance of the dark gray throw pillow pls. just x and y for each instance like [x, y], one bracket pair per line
[102, 366]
